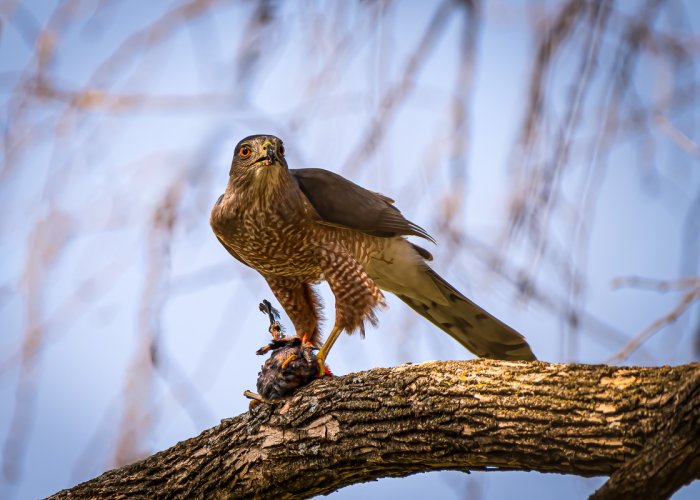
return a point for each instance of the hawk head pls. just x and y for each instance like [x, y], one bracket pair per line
[257, 158]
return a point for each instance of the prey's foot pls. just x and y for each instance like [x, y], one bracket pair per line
[275, 330]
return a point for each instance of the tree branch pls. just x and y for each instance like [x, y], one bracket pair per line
[670, 459]
[586, 420]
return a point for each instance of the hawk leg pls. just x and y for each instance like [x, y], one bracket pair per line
[356, 296]
[301, 304]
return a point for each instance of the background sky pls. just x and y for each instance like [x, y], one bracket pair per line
[119, 122]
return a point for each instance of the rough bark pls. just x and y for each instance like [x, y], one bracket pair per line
[671, 458]
[461, 415]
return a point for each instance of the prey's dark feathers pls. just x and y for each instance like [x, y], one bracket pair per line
[279, 377]
[276, 381]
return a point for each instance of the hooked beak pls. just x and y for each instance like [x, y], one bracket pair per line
[270, 155]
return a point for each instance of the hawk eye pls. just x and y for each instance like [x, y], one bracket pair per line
[281, 149]
[244, 152]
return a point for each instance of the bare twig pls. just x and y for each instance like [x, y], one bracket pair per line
[397, 94]
[676, 135]
[656, 326]
[656, 284]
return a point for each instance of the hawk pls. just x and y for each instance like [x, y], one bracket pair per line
[298, 227]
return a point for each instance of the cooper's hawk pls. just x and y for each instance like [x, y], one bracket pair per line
[298, 227]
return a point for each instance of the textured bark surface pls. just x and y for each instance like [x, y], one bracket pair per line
[461, 415]
[671, 458]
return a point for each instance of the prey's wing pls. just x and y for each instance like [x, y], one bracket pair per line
[343, 203]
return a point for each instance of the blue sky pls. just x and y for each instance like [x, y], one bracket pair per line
[86, 183]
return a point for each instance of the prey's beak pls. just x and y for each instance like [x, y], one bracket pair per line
[269, 154]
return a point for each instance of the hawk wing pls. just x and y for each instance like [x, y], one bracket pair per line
[343, 203]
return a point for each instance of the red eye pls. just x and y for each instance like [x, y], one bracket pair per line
[244, 152]
[281, 149]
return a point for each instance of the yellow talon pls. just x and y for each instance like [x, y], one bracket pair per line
[321, 356]
[289, 359]
[321, 368]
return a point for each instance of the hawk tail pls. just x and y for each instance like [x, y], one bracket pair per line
[466, 322]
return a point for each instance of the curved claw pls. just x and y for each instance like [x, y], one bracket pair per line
[289, 359]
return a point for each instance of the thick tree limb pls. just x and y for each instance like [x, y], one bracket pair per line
[671, 458]
[462, 415]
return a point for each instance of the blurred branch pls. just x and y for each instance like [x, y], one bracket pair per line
[399, 92]
[547, 298]
[580, 34]
[47, 240]
[95, 99]
[658, 285]
[459, 137]
[137, 417]
[685, 302]
[150, 357]
[580, 419]
[677, 136]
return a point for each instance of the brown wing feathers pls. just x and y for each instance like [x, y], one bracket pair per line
[341, 202]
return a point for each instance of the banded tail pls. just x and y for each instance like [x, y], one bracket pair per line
[471, 326]
[407, 276]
